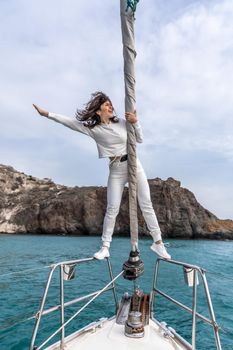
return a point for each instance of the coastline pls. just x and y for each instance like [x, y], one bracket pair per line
[141, 237]
[40, 206]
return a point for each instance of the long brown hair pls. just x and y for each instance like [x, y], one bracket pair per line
[88, 115]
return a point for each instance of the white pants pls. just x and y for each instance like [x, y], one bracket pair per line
[118, 177]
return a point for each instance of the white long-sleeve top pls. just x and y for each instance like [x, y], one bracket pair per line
[111, 139]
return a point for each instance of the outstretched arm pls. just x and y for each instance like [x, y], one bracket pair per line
[41, 111]
[131, 117]
[71, 123]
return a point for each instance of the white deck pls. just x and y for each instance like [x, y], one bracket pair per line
[111, 337]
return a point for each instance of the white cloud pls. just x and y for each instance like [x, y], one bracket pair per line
[187, 81]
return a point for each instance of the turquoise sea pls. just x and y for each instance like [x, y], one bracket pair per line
[24, 270]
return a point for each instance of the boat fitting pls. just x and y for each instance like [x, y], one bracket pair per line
[133, 267]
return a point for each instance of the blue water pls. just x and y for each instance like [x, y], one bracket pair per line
[21, 292]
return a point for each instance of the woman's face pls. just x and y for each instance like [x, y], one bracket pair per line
[106, 110]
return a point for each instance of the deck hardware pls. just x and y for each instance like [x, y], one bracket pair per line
[202, 273]
[91, 297]
[134, 311]
[189, 276]
[68, 272]
[123, 310]
[133, 326]
[133, 267]
[166, 331]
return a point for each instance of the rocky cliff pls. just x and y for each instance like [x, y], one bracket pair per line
[31, 205]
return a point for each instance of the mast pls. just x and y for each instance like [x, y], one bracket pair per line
[128, 8]
[134, 266]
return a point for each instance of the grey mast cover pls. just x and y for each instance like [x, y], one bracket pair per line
[129, 54]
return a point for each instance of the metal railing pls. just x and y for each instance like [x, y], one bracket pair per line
[62, 305]
[212, 321]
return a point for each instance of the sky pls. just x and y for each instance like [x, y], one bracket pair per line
[56, 53]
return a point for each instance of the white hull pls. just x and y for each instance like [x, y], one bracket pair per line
[110, 336]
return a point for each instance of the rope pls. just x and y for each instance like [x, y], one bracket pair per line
[17, 323]
[219, 275]
[227, 331]
[132, 4]
[129, 54]
[24, 271]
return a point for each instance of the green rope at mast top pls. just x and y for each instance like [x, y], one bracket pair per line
[132, 4]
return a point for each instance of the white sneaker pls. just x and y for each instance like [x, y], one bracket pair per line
[160, 250]
[102, 253]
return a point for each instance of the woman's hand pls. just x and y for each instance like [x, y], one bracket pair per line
[131, 117]
[41, 111]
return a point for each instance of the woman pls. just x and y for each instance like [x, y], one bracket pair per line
[99, 121]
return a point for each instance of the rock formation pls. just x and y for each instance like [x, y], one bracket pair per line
[31, 205]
